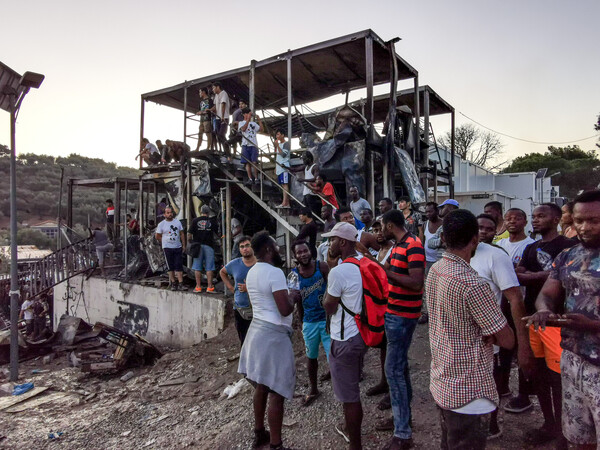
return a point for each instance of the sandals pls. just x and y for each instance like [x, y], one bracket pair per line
[309, 398]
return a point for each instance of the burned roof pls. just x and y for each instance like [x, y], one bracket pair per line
[319, 71]
[310, 123]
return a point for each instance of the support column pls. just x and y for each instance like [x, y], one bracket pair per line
[125, 229]
[142, 212]
[388, 182]
[369, 113]
[117, 202]
[289, 97]
[417, 115]
[70, 203]
[251, 85]
[425, 153]
[227, 233]
[14, 274]
[142, 114]
[185, 91]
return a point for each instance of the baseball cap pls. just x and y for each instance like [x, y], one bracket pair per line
[343, 230]
[450, 201]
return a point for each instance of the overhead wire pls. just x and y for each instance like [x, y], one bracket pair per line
[525, 140]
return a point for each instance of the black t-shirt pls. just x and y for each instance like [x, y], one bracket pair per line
[538, 257]
[309, 231]
[202, 230]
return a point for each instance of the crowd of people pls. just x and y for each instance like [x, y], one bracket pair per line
[489, 292]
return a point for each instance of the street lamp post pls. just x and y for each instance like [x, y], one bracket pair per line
[15, 96]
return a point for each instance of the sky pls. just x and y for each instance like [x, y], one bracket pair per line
[528, 69]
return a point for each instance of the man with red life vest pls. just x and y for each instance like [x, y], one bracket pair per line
[405, 269]
[344, 285]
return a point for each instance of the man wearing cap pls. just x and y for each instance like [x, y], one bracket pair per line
[202, 231]
[435, 242]
[344, 285]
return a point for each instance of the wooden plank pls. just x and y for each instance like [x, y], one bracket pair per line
[36, 402]
[7, 402]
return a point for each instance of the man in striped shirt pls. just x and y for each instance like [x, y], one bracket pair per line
[405, 269]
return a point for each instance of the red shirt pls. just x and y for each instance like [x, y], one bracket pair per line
[329, 194]
[406, 254]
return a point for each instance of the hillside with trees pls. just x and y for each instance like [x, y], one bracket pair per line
[38, 184]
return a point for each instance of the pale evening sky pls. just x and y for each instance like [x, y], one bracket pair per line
[526, 68]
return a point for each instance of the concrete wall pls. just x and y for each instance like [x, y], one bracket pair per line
[176, 319]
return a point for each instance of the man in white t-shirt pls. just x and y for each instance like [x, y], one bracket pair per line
[282, 169]
[344, 285]
[221, 116]
[515, 221]
[267, 355]
[495, 266]
[172, 238]
[149, 153]
[27, 314]
[249, 130]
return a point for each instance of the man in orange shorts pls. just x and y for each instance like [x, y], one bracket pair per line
[532, 272]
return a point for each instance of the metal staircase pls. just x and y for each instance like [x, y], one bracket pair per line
[57, 267]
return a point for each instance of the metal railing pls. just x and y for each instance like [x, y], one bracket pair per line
[41, 275]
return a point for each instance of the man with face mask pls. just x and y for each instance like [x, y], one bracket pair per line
[267, 356]
[573, 285]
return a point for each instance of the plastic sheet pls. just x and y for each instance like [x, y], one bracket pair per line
[410, 179]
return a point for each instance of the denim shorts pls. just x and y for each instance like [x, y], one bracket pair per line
[249, 154]
[206, 259]
[314, 333]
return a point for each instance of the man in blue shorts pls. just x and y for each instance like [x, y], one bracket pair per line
[249, 129]
[202, 232]
[282, 166]
[238, 269]
[313, 285]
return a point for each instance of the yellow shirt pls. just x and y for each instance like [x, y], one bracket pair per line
[500, 236]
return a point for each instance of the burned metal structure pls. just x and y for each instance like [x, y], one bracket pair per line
[351, 151]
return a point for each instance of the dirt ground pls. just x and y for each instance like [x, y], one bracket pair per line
[104, 412]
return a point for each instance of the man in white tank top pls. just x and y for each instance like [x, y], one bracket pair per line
[432, 255]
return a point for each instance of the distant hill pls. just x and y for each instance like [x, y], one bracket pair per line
[38, 182]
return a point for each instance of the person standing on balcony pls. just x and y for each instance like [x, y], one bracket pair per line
[249, 130]
[205, 119]
[311, 170]
[110, 220]
[221, 116]
[235, 138]
[282, 167]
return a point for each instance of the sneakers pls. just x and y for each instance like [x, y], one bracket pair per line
[342, 431]
[173, 286]
[197, 289]
[518, 405]
[210, 290]
[248, 182]
[181, 287]
[397, 443]
[257, 181]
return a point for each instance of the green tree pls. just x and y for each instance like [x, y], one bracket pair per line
[579, 169]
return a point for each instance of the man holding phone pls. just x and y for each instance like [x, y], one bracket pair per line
[574, 281]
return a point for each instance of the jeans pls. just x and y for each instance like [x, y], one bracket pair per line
[399, 331]
[463, 431]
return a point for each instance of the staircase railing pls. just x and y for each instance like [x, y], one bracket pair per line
[76, 258]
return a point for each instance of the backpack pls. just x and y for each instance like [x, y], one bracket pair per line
[370, 321]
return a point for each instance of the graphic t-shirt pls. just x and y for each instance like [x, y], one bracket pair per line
[413, 222]
[515, 249]
[170, 230]
[312, 290]
[538, 257]
[249, 136]
[578, 269]
[202, 231]
[239, 271]
[283, 158]
[204, 105]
